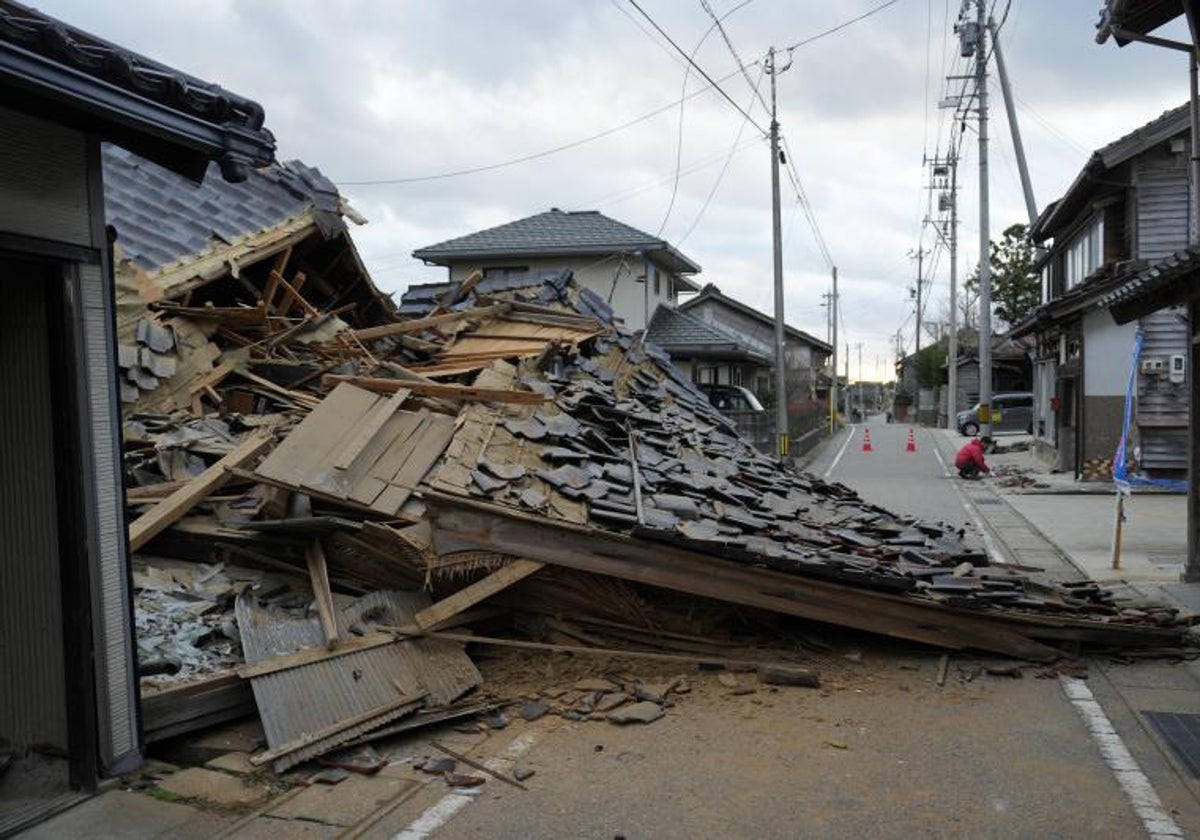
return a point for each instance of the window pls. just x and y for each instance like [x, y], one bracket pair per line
[657, 284]
[1085, 253]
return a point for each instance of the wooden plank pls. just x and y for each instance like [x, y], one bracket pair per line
[441, 389]
[306, 400]
[367, 489]
[318, 575]
[518, 569]
[160, 517]
[196, 705]
[434, 439]
[318, 435]
[421, 324]
[370, 427]
[308, 656]
[461, 290]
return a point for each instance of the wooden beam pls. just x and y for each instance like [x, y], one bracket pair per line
[683, 658]
[506, 576]
[419, 324]
[164, 514]
[308, 656]
[318, 575]
[298, 397]
[294, 294]
[439, 389]
[289, 298]
[461, 290]
[463, 524]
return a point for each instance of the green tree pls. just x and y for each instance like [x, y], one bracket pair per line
[1016, 288]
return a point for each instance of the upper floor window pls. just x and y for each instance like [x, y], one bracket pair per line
[657, 283]
[1085, 253]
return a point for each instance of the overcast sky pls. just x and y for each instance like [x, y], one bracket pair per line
[370, 90]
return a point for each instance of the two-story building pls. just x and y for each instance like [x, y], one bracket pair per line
[630, 269]
[1128, 207]
[806, 357]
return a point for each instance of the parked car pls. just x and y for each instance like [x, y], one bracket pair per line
[1015, 409]
[727, 398]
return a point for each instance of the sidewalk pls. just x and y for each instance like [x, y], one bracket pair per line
[1066, 526]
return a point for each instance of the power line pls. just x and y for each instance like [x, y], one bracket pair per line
[737, 59]
[805, 205]
[720, 175]
[842, 25]
[475, 170]
[534, 155]
[715, 85]
[683, 92]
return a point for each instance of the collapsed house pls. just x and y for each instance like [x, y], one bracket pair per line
[316, 505]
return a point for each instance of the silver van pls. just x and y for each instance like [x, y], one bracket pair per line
[1015, 410]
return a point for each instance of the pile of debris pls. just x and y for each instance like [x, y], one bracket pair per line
[321, 489]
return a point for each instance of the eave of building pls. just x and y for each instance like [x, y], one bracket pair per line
[737, 305]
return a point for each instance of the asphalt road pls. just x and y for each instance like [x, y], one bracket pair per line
[889, 475]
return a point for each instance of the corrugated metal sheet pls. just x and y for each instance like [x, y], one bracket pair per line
[365, 689]
[32, 674]
[43, 177]
[1162, 206]
[113, 635]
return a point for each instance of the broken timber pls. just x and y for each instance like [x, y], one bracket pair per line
[164, 514]
[439, 389]
[462, 524]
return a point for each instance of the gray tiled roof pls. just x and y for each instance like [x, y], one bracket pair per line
[680, 334]
[555, 232]
[161, 217]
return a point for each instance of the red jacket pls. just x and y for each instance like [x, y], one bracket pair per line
[972, 453]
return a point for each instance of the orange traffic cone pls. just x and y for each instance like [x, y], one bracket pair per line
[911, 446]
[866, 447]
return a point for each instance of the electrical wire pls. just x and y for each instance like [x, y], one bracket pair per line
[714, 84]
[842, 25]
[535, 155]
[737, 59]
[720, 175]
[683, 93]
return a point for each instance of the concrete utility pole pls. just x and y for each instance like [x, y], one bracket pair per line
[781, 404]
[985, 239]
[849, 393]
[945, 172]
[1013, 126]
[920, 283]
[862, 408]
[833, 386]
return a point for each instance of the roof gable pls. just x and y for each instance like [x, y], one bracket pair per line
[710, 293]
[556, 232]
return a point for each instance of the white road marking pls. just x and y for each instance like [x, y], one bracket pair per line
[841, 452]
[1146, 804]
[442, 811]
[993, 551]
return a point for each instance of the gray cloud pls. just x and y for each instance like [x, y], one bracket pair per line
[373, 89]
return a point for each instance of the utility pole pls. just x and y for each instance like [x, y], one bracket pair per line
[833, 386]
[781, 404]
[1013, 126]
[862, 408]
[985, 239]
[945, 173]
[920, 283]
[848, 391]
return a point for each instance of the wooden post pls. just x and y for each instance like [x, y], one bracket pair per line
[1117, 523]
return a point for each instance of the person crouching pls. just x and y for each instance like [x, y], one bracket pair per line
[969, 460]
